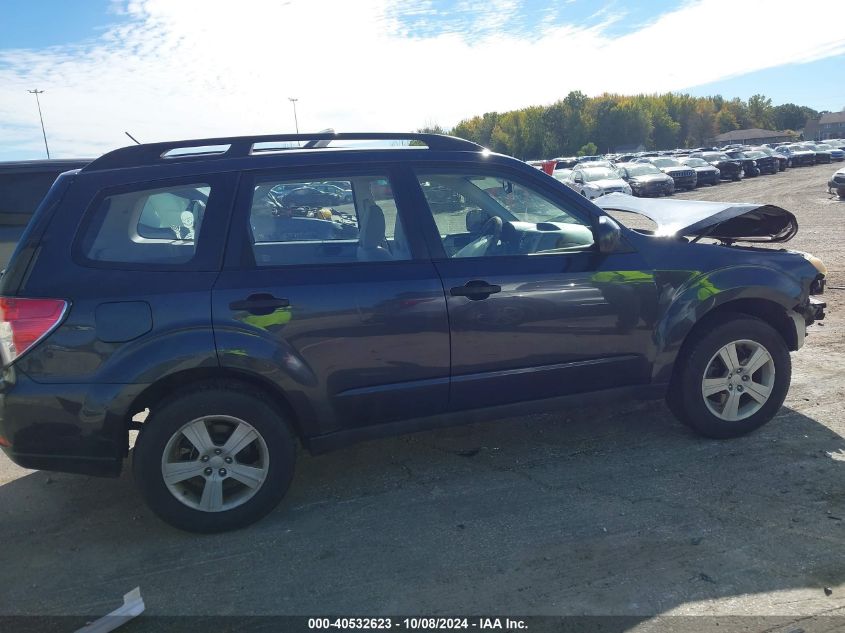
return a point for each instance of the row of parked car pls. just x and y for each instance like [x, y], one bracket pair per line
[663, 173]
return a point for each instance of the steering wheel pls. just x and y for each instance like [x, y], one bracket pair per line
[491, 232]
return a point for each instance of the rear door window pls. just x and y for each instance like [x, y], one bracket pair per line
[340, 220]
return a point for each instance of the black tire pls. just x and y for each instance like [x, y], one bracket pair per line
[214, 399]
[685, 397]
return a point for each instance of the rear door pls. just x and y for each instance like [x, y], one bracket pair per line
[336, 302]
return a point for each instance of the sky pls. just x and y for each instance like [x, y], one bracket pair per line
[175, 69]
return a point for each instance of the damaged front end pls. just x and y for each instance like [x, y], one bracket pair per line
[728, 223]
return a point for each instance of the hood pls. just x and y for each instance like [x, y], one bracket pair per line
[727, 221]
[648, 177]
[607, 183]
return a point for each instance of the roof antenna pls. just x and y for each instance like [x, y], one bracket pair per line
[133, 138]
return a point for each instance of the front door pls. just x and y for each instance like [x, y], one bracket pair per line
[329, 294]
[535, 310]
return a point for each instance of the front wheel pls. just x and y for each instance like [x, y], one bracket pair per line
[216, 458]
[731, 378]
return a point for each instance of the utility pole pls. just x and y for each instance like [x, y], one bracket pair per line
[37, 92]
[295, 121]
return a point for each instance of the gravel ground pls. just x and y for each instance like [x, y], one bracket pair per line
[596, 511]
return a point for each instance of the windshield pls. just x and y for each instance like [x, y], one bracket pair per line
[665, 162]
[713, 157]
[643, 169]
[754, 155]
[695, 162]
[823, 146]
[591, 175]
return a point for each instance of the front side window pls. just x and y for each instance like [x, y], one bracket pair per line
[310, 221]
[147, 226]
[489, 215]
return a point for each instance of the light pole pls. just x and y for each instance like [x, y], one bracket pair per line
[293, 100]
[37, 92]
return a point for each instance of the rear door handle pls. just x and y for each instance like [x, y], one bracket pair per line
[475, 290]
[260, 304]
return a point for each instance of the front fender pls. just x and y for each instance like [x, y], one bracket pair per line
[703, 293]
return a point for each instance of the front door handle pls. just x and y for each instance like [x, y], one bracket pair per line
[475, 290]
[260, 304]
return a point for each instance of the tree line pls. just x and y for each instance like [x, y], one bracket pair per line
[582, 125]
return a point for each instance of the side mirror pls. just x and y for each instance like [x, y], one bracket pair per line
[607, 234]
[579, 180]
[475, 219]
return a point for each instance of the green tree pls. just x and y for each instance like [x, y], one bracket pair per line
[664, 129]
[760, 111]
[589, 149]
[737, 108]
[619, 121]
[661, 121]
[702, 125]
[726, 121]
[792, 117]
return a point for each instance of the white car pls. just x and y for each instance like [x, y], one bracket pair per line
[594, 182]
[561, 173]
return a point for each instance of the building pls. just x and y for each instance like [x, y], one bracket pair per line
[752, 136]
[830, 125]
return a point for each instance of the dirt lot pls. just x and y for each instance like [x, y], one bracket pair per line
[600, 511]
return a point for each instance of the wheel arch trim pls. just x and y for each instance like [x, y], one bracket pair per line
[165, 387]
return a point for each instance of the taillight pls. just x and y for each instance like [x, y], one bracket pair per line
[24, 322]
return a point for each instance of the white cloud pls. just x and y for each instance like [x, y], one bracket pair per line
[192, 68]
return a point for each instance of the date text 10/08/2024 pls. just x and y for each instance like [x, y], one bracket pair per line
[418, 624]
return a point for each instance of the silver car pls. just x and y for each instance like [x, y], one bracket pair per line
[593, 182]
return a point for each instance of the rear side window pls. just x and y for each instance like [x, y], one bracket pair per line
[147, 226]
[342, 220]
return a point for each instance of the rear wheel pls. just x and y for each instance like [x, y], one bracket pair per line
[214, 459]
[731, 379]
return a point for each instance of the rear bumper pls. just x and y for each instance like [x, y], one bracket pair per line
[65, 427]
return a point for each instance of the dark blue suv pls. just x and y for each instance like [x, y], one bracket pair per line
[230, 298]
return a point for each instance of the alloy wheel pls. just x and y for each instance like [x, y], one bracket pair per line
[215, 463]
[739, 380]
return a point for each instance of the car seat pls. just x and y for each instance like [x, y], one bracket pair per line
[371, 238]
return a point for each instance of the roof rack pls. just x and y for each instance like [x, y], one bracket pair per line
[243, 146]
